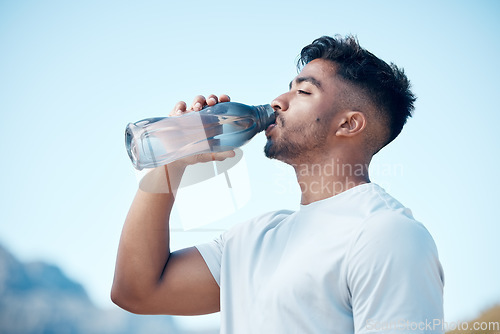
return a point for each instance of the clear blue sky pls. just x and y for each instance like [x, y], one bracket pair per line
[73, 74]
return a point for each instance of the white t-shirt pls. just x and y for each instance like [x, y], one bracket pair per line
[356, 262]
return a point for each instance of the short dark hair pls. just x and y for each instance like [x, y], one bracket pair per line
[385, 85]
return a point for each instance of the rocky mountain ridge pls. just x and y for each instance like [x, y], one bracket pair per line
[38, 298]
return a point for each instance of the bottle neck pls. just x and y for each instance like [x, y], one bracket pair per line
[265, 116]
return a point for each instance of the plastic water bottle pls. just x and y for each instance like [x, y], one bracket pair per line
[225, 126]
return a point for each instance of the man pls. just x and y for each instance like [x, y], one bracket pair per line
[351, 260]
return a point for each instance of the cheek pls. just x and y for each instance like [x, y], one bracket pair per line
[305, 112]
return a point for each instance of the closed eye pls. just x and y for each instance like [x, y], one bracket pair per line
[303, 92]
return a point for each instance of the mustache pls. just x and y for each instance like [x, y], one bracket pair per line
[279, 121]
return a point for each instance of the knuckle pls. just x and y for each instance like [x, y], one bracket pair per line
[199, 98]
[179, 107]
[198, 102]
[212, 99]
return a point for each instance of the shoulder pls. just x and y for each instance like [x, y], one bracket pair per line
[259, 223]
[248, 230]
[396, 230]
[392, 240]
[393, 270]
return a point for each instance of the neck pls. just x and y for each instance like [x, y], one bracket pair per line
[329, 177]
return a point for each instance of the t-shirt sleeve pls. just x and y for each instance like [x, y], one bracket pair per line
[212, 254]
[394, 277]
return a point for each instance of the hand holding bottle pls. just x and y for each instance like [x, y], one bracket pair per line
[207, 127]
[199, 103]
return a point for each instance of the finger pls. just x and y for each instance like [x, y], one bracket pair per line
[198, 103]
[224, 98]
[212, 100]
[179, 108]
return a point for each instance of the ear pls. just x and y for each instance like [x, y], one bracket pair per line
[351, 124]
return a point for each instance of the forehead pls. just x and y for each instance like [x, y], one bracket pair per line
[321, 69]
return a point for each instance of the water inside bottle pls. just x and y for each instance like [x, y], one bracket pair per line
[155, 142]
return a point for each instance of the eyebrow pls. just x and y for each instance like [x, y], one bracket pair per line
[309, 79]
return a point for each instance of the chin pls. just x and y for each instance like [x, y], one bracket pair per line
[269, 149]
[273, 150]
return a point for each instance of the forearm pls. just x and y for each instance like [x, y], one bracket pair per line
[144, 244]
[148, 279]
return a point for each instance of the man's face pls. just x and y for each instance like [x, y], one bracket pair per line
[304, 115]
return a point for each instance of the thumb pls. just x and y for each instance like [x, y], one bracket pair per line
[220, 156]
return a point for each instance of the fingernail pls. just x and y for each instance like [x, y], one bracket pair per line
[197, 105]
[213, 99]
[178, 112]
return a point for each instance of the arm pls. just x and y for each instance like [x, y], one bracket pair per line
[149, 279]
[395, 277]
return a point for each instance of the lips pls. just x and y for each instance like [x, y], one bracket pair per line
[269, 129]
[271, 126]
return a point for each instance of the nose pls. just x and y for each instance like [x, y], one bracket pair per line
[280, 103]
